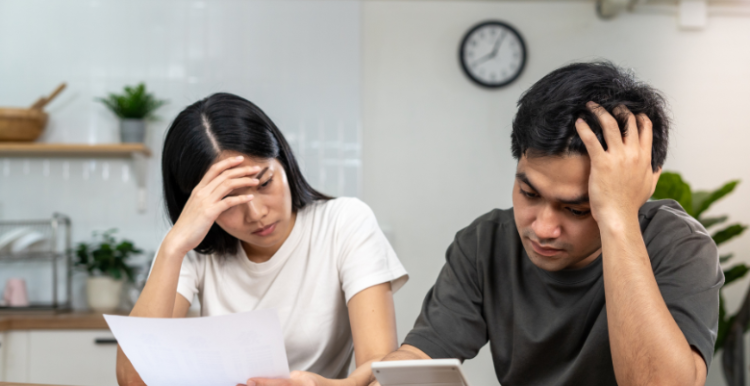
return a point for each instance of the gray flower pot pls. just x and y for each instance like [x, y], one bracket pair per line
[132, 130]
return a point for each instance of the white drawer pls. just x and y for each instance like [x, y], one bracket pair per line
[72, 357]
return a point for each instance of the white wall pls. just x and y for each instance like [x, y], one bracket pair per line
[437, 148]
[298, 60]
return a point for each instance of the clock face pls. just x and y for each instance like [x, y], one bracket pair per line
[492, 54]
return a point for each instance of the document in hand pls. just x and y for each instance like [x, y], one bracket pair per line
[213, 350]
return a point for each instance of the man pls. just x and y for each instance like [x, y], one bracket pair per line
[582, 282]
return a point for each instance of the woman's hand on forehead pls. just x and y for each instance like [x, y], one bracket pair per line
[209, 199]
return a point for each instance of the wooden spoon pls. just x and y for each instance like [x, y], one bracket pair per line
[41, 102]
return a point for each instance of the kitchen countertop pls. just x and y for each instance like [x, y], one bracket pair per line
[77, 320]
[49, 321]
[20, 384]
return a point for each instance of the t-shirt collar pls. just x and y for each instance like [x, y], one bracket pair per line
[570, 276]
[284, 251]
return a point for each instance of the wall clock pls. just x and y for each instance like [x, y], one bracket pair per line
[492, 54]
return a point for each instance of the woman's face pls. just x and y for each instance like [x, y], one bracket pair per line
[266, 220]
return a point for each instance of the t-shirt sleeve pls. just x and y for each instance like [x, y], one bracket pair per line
[190, 275]
[689, 279]
[365, 257]
[451, 323]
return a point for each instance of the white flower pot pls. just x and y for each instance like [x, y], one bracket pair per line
[104, 293]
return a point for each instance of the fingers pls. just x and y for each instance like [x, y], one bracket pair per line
[631, 126]
[217, 168]
[589, 139]
[232, 201]
[270, 382]
[228, 185]
[297, 378]
[610, 129]
[646, 132]
[230, 174]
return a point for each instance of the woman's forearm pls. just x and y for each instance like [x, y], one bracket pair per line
[157, 300]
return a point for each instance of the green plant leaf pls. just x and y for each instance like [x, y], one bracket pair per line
[728, 233]
[129, 272]
[708, 222]
[82, 253]
[671, 185]
[724, 258]
[723, 325]
[114, 273]
[698, 197]
[735, 273]
[134, 103]
[106, 256]
[703, 200]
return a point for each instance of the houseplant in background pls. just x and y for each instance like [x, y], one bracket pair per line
[133, 107]
[105, 260]
[731, 327]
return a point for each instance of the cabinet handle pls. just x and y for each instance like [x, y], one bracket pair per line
[105, 341]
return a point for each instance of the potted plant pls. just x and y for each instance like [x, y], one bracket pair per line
[105, 259]
[732, 328]
[133, 107]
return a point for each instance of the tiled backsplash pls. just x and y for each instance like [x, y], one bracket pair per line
[297, 60]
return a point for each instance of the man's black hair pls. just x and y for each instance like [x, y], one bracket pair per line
[545, 122]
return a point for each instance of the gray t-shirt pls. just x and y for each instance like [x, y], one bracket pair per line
[550, 328]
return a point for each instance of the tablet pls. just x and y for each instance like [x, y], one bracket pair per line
[426, 372]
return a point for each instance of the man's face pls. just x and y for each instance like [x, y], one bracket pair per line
[552, 213]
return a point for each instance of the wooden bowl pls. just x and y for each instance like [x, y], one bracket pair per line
[21, 125]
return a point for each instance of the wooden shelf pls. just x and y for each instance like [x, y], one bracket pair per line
[72, 150]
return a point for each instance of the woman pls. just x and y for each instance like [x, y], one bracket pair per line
[250, 233]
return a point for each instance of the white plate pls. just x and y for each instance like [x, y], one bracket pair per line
[9, 237]
[27, 241]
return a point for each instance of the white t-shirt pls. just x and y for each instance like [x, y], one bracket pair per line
[335, 250]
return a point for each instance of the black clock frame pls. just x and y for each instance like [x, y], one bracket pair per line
[466, 39]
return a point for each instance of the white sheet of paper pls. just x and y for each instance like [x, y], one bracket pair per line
[214, 350]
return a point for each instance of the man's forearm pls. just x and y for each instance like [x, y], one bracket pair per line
[362, 375]
[647, 345]
[404, 353]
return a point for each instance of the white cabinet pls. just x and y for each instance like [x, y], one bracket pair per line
[2, 357]
[62, 357]
[16, 353]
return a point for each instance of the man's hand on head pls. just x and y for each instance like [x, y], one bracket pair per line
[621, 178]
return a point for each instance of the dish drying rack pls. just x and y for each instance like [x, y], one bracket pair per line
[55, 250]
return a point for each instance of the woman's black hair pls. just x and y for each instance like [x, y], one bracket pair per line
[223, 122]
[545, 122]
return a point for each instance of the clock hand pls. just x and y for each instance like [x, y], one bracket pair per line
[492, 54]
[497, 44]
[483, 59]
